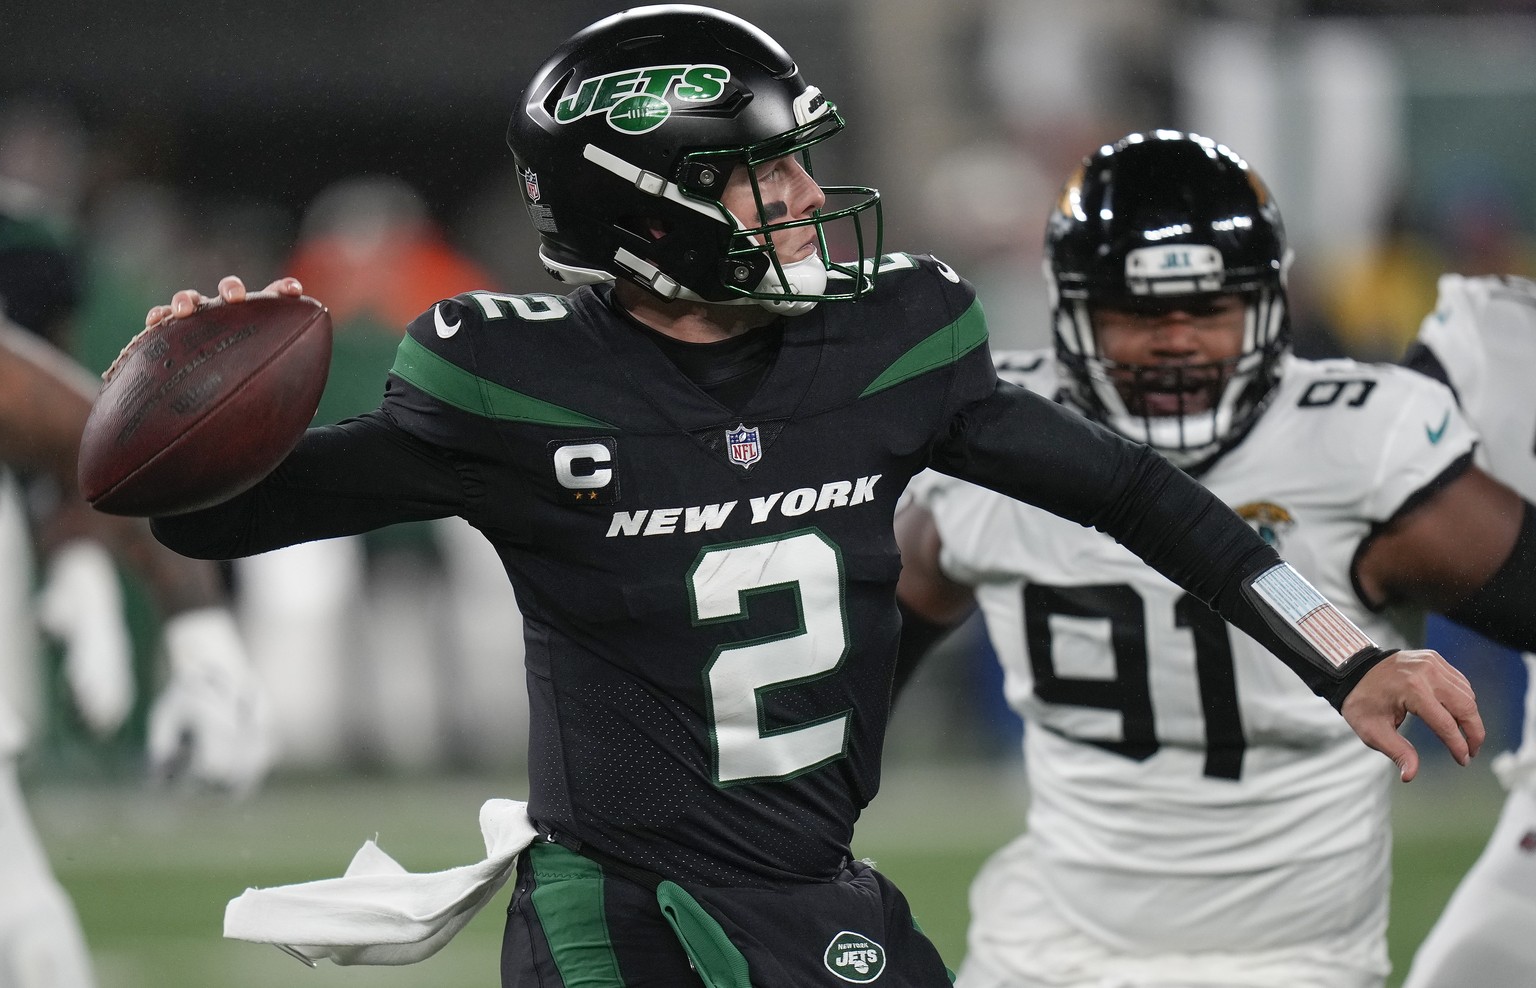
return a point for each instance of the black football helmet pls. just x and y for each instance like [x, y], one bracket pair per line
[1157, 218]
[627, 135]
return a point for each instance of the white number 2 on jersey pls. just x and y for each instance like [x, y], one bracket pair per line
[740, 676]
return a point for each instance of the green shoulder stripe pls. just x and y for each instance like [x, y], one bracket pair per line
[939, 350]
[422, 368]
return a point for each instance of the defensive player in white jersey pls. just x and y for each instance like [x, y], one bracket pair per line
[1196, 819]
[1481, 340]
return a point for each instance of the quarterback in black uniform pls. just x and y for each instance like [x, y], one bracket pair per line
[689, 466]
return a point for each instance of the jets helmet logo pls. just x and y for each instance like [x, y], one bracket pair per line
[636, 100]
[855, 958]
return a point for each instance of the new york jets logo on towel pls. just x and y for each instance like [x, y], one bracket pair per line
[855, 957]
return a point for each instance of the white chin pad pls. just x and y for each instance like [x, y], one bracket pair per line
[806, 277]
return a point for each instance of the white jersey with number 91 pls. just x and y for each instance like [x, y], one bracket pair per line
[1187, 792]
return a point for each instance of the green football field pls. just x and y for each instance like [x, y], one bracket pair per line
[150, 873]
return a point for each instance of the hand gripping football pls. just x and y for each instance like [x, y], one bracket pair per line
[201, 408]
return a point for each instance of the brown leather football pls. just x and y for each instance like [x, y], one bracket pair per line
[200, 408]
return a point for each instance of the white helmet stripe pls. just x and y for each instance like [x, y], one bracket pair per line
[650, 182]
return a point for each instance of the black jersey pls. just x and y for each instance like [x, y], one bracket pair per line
[708, 596]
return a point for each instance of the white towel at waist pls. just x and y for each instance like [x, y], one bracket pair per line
[379, 913]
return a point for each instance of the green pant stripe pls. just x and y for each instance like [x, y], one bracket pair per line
[568, 898]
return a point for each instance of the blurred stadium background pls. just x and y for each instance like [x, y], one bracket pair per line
[361, 145]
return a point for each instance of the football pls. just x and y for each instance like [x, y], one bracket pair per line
[200, 408]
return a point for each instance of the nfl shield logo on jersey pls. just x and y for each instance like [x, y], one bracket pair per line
[744, 444]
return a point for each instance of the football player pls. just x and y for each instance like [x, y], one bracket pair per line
[1195, 818]
[208, 724]
[690, 465]
[1481, 340]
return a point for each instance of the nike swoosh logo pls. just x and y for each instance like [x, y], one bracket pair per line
[1438, 433]
[446, 329]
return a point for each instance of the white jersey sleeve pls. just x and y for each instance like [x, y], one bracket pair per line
[1483, 333]
[1171, 758]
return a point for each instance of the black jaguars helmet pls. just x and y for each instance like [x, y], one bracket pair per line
[1155, 218]
[626, 137]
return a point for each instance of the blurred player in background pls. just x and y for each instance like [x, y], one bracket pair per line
[1195, 818]
[208, 723]
[1481, 340]
[689, 466]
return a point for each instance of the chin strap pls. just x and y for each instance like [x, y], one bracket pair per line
[807, 276]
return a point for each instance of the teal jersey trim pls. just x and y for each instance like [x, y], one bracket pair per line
[421, 368]
[939, 350]
[568, 898]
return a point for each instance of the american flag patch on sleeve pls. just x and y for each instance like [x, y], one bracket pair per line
[1318, 622]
